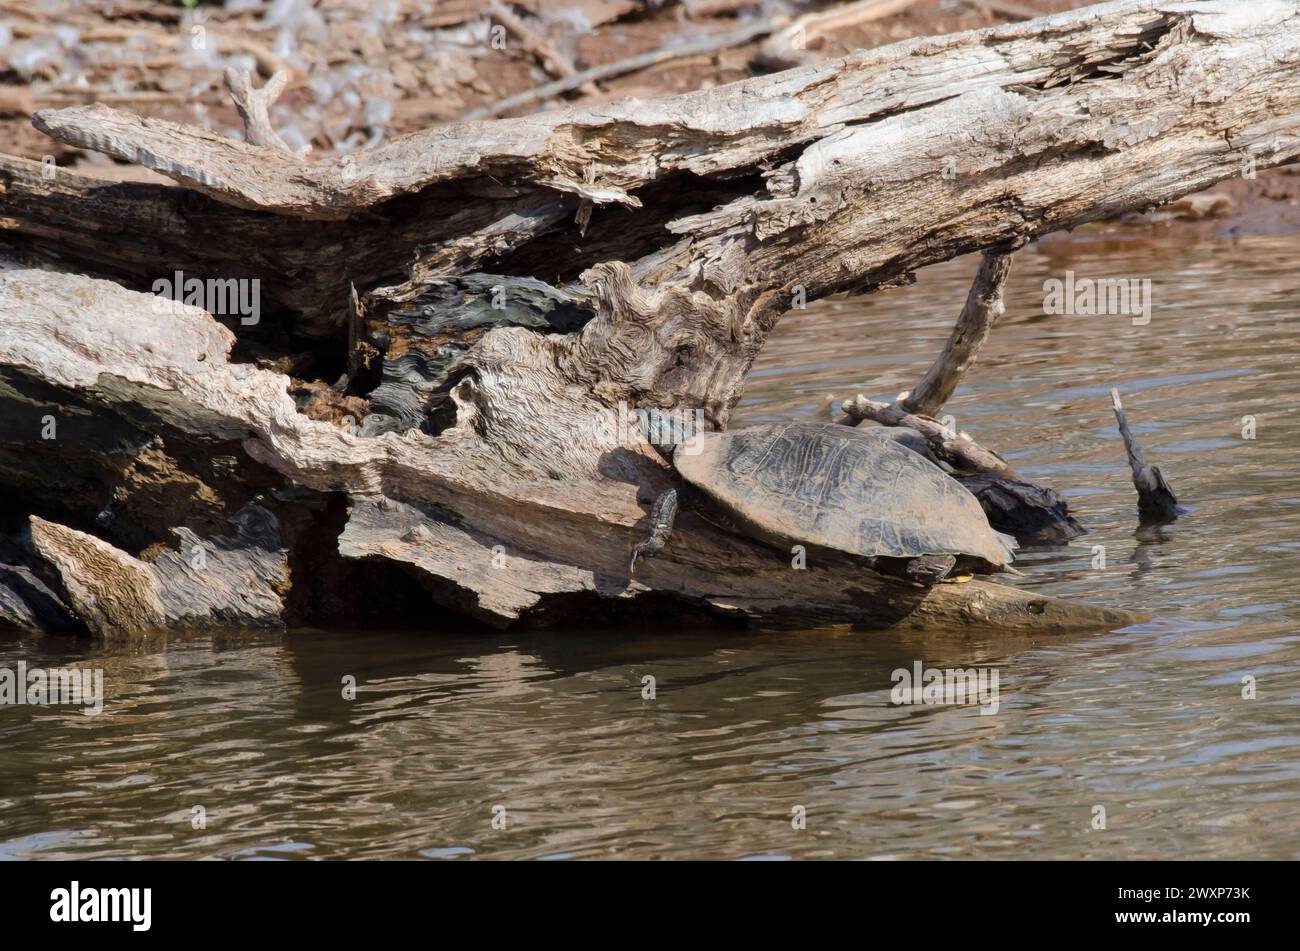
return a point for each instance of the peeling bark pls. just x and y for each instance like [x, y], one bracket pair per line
[110, 592]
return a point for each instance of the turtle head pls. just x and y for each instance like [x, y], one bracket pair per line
[671, 430]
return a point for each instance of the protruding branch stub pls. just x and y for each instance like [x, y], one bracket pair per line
[956, 449]
[981, 311]
[254, 105]
[919, 408]
[1156, 500]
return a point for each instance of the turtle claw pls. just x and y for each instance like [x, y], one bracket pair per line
[644, 548]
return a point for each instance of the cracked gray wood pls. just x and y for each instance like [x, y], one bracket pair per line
[554, 536]
[712, 210]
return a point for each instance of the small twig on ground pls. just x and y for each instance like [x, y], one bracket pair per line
[1004, 8]
[548, 56]
[788, 48]
[705, 44]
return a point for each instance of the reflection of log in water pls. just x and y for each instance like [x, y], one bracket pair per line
[508, 493]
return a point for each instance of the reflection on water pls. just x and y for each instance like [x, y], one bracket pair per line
[1148, 723]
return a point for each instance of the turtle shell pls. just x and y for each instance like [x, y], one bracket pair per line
[855, 490]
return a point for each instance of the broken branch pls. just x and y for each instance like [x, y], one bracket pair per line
[547, 55]
[982, 308]
[957, 449]
[718, 204]
[787, 48]
[254, 106]
[632, 64]
[1156, 500]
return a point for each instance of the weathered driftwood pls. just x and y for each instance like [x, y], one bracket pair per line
[726, 204]
[1034, 514]
[484, 537]
[107, 589]
[422, 337]
[140, 233]
[957, 449]
[1156, 500]
[73, 580]
[981, 311]
[239, 579]
[1041, 125]
[918, 408]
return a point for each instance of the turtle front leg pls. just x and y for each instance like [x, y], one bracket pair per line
[662, 516]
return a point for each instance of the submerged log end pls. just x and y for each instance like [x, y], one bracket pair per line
[500, 585]
[1156, 499]
[981, 604]
[1034, 514]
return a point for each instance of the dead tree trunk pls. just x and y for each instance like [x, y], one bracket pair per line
[488, 450]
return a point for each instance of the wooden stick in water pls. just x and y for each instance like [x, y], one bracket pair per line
[1156, 500]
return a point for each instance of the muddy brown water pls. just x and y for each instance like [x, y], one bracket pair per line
[1148, 723]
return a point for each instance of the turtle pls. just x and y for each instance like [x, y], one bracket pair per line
[860, 491]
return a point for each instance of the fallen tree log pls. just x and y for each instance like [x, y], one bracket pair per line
[921, 150]
[484, 537]
[727, 205]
